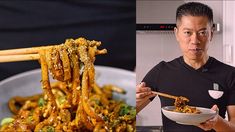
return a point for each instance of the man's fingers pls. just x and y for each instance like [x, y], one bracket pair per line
[143, 94]
[215, 108]
[151, 95]
[142, 88]
[208, 125]
[205, 126]
[142, 84]
[139, 100]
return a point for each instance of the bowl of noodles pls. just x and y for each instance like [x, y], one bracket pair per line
[28, 84]
[69, 93]
[188, 118]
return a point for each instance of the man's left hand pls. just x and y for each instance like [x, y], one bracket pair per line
[209, 124]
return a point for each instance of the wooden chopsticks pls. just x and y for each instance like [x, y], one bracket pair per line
[21, 51]
[14, 58]
[27, 54]
[21, 54]
[165, 95]
[169, 96]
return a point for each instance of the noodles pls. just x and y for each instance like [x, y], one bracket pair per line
[180, 106]
[75, 102]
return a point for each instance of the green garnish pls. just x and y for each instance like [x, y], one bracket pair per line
[7, 120]
[41, 102]
[50, 129]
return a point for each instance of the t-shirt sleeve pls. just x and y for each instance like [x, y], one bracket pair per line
[231, 98]
[152, 76]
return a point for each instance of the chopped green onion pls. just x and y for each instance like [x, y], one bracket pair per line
[127, 110]
[7, 120]
[41, 102]
[50, 129]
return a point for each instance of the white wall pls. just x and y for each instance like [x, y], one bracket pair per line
[155, 47]
[229, 32]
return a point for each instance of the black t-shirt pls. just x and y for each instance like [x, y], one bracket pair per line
[178, 78]
[29, 23]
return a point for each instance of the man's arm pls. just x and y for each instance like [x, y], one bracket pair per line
[224, 125]
[140, 107]
[219, 124]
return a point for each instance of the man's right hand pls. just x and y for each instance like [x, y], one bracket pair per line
[143, 94]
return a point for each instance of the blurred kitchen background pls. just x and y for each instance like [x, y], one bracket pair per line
[155, 46]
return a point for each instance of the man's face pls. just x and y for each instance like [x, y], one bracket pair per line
[193, 35]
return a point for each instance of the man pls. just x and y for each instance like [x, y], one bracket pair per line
[193, 74]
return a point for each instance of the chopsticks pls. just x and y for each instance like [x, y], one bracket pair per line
[33, 50]
[170, 96]
[165, 95]
[14, 58]
[27, 54]
[21, 54]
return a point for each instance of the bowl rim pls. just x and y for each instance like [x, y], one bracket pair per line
[211, 112]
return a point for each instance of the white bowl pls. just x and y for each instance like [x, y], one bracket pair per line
[28, 83]
[188, 118]
[215, 94]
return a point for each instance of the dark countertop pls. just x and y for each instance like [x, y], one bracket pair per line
[149, 128]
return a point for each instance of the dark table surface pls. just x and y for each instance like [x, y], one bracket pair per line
[149, 128]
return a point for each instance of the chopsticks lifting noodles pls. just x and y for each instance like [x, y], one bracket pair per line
[180, 103]
[74, 102]
[28, 54]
